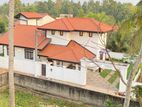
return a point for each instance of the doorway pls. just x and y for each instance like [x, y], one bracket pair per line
[43, 69]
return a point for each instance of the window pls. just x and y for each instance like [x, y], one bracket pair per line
[61, 33]
[1, 50]
[81, 33]
[90, 34]
[8, 50]
[28, 54]
[53, 32]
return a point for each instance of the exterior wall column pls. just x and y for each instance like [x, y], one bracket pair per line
[122, 86]
[55, 63]
[84, 71]
[77, 67]
[37, 69]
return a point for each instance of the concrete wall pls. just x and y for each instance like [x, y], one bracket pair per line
[47, 88]
[73, 93]
[3, 80]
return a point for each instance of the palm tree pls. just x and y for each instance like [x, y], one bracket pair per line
[11, 55]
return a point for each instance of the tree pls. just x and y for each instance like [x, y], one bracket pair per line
[138, 93]
[81, 13]
[117, 43]
[102, 17]
[2, 27]
[18, 6]
[136, 29]
[11, 55]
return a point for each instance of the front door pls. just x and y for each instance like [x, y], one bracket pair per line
[43, 69]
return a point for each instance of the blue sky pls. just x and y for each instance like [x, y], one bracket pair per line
[29, 1]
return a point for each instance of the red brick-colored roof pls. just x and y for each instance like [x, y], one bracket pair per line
[78, 24]
[31, 15]
[24, 36]
[73, 52]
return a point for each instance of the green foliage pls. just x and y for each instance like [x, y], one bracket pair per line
[111, 104]
[24, 99]
[109, 11]
[102, 17]
[138, 91]
[117, 43]
[113, 77]
[132, 29]
[2, 27]
[104, 73]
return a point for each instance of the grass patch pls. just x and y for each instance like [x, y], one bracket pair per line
[104, 73]
[24, 99]
[113, 77]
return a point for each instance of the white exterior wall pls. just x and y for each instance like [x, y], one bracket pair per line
[34, 68]
[19, 53]
[52, 72]
[93, 43]
[32, 22]
[117, 55]
[63, 74]
[46, 19]
[36, 22]
[23, 20]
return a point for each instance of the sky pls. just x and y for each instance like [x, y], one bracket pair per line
[29, 1]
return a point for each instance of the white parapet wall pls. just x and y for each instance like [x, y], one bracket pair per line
[3, 62]
[117, 55]
[52, 72]
[63, 74]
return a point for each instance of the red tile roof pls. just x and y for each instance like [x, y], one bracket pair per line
[73, 52]
[77, 24]
[31, 15]
[24, 36]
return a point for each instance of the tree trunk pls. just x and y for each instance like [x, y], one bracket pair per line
[130, 80]
[140, 101]
[11, 55]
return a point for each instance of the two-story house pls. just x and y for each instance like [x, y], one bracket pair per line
[88, 32]
[55, 50]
